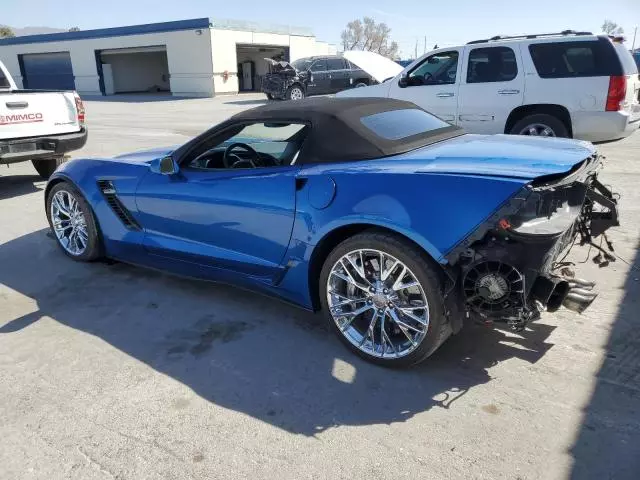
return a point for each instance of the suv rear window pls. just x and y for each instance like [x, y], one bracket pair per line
[628, 63]
[399, 124]
[593, 58]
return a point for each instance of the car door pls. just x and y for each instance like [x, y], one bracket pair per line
[237, 219]
[338, 74]
[319, 81]
[432, 84]
[492, 86]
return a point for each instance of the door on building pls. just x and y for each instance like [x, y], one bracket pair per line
[134, 70]
[247, 76]
[47, 71]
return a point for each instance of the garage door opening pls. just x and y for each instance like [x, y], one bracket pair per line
[134, 70]
[252, 65]
[47, 71]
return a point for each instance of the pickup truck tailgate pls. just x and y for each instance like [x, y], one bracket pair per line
[25, 113]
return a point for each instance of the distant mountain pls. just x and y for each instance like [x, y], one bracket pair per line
[20, 32]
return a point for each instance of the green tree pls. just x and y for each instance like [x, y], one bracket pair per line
[612, 28]
[366, 34]
[74, 29]
[6, 32]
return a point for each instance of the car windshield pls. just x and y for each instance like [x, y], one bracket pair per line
[399, 124]
[302, 64]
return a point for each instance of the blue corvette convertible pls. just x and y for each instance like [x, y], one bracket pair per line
[394, 223]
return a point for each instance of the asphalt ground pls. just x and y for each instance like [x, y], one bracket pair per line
[112, 371]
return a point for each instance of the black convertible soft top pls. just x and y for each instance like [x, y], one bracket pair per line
[337, 133]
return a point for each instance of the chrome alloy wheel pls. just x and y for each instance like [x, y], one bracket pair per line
[69, 223]
[538, 130]
[296, 93]
[378, 303]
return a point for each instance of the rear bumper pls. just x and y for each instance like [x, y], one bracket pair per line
[605, 126]
[21, 150]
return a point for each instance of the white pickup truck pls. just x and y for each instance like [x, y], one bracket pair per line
[39, 125]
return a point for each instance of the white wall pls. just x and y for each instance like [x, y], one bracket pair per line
[138, 72]
[224, 58]
[188, 54]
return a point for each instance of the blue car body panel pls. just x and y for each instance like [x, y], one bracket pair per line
[260, 227]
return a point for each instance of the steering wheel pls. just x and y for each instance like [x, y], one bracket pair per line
[231, 160]
[427, 77]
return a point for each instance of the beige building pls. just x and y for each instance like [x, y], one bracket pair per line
[198, 57]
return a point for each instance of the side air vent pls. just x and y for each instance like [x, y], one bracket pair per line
[109, 192]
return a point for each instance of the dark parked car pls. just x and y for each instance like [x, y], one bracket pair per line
[312, 76]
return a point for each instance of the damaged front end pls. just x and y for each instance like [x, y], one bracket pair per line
[282, 76]
[512, 266]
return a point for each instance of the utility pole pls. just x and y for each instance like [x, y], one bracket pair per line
[424, 50]
[415, 54]
[633, 45]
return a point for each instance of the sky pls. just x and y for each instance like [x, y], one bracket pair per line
[439, 22]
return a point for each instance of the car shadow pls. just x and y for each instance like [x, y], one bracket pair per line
[608, 442]
[262, 101]
[244, 351]
[17, 185]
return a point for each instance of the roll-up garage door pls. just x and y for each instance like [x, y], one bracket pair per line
[47, 71]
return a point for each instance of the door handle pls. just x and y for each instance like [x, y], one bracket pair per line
[508, 92]
[17, 104]
[444, 94]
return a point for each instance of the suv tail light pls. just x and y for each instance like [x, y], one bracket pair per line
[617, 93]
[79, 108]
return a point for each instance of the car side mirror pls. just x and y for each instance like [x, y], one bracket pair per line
[404, 81]
[165, 166]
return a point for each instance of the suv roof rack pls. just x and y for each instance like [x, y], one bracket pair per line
[537, 35]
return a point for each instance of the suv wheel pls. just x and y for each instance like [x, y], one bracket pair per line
[295, 92]
[540, 125]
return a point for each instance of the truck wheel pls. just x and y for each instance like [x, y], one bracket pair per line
[295, 92]
[46, 166]
[383, 298]
[540, 125]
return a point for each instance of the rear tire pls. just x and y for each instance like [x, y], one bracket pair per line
[401, 352]
[46, 166]
[542, 124]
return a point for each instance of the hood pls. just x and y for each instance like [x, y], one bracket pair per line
[145, 156]
[502, 156]
[279, 66]
[379, 67]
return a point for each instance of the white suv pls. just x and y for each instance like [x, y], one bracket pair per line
[570, 84]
